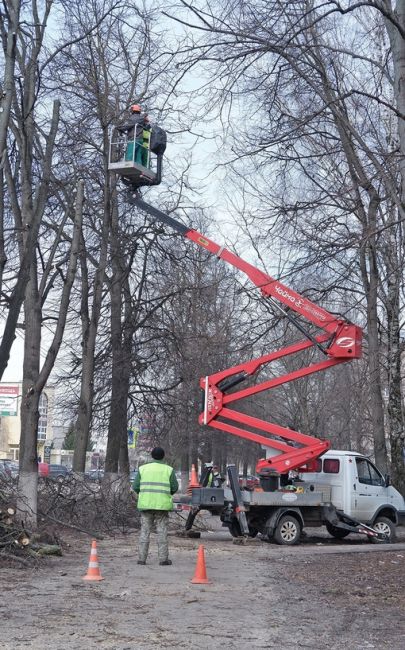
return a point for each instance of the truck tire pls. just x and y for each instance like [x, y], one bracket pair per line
[385, 525]
[288, 531]
[338, 533]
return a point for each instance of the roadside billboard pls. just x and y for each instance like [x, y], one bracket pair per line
[133, 434]
[8, 399]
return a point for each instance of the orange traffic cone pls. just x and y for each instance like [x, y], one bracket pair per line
[93, 572]
[193, 483]
[200, 575]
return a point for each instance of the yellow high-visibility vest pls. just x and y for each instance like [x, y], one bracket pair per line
[146, 138]
[154, 493]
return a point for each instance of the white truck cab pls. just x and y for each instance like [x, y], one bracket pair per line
[359, 490]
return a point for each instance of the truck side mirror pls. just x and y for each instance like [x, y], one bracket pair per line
[387, 480]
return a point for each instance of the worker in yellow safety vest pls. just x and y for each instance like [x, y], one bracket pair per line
[215, 479]
[155, 483]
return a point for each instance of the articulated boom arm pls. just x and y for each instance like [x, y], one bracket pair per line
[340, 342]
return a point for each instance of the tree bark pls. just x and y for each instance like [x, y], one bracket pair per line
[121, 337]
[35, 379]
[9, 37]
[89, 337]
[396, 394]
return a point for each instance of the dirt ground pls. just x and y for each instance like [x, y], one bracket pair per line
[320, 595]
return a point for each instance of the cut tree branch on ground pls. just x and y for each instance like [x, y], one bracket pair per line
[91, 533]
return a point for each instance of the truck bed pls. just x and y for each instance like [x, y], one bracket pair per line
[217, 497]
[322, 494]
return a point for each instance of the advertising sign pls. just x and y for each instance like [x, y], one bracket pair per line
[8, 399]
[132, 437]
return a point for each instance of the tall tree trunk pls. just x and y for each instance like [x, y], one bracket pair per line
[9, 39]
[35, 379]
[121, 361]
[89, 336]
[370, 275]
[396, 404]
[28, 476]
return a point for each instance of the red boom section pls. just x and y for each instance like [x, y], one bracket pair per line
[346, 336]
[342, 342]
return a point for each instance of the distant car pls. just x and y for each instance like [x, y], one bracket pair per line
[58, 471]
[94, 475]
[43, 470]
[8, 468]
[249, 481]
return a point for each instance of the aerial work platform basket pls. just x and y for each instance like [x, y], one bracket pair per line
[134, 161]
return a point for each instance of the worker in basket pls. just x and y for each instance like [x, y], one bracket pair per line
[134, 129]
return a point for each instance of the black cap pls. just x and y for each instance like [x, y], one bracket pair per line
[158, 453]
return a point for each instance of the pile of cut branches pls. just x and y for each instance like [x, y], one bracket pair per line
[12, 534]
[73, 503]
[16, 542]
[14, 538]
[91, 507]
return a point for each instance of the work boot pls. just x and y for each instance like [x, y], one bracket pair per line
[141, 562]
[165, 563]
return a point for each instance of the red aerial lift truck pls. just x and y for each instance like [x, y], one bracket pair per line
[282, 508]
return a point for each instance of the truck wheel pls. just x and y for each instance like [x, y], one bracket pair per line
[386, 526]
[288, 531]
[336, 532]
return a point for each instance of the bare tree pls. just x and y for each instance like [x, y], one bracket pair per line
[34, 376]
[31, 137]
[120, 61]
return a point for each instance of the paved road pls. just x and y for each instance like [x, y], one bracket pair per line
[318, 596]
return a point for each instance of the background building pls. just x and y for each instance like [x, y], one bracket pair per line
[10, 421]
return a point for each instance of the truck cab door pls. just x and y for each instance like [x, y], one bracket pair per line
[369, 491]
